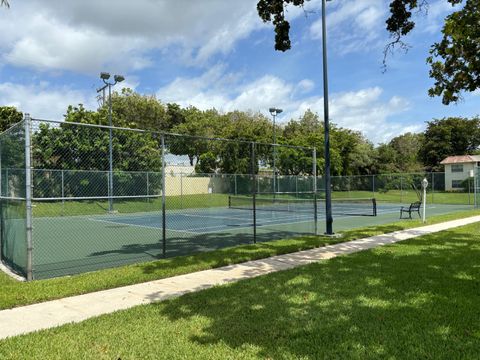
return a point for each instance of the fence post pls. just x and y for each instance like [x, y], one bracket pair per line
[63, 194]
[235, 180]
[401, 188]
[296, 183]
[28, 196]
[148, 184]
[315, 205]
[373, 185]
[6, 182]
[254, 192]
[164, 219]
[433, 184]
[181, 189]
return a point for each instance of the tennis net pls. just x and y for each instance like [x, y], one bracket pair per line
[353, 207]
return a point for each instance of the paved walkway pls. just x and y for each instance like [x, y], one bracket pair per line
[49, 314]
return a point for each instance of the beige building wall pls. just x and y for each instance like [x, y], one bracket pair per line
[180, 184]
[450, 176]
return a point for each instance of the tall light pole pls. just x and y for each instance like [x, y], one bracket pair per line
[328, 181]
[117, 78]
[274, 112]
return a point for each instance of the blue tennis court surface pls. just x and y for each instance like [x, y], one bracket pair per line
[108, 240]
[210, 220]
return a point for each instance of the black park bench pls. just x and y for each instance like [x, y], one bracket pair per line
[414, 207]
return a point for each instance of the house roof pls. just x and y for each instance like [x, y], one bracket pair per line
[460, 159]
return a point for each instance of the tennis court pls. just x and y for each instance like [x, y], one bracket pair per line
[108, 240]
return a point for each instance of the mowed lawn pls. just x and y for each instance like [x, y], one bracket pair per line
[415, 299]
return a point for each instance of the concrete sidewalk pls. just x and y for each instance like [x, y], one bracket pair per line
[49, 314]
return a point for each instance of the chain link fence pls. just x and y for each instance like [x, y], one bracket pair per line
[67, 208]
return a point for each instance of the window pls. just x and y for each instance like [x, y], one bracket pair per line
[457, 184]
[457, 168]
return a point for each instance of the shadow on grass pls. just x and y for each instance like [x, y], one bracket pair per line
[417, 299]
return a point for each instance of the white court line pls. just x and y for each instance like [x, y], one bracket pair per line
[143, 226]
[237, 218]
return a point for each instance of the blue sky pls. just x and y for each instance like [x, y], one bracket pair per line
[218, 53]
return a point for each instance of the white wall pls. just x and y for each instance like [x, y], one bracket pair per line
[449, 175]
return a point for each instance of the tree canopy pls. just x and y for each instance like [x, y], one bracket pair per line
[454, 61]
[449, 136]
[9, 115]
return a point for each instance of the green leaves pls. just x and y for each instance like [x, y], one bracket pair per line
[455, 60]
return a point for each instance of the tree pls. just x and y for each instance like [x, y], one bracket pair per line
[4, 3]
[401, 154]
[454, 61]
[447, 137]
[83, 153]
[9, 115]
[134, 110]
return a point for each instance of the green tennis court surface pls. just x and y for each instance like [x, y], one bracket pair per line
[74, 244]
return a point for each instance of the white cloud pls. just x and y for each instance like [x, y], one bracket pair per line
[354, 25]
[41, 100]
[86, 36]
[364, 110]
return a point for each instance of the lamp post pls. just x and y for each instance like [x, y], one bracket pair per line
[328, 188]
[274, 112]
[117, 78]
[424, 197]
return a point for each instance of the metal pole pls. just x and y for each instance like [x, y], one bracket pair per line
[424, 198]
[28, 196]
[148, 185]
[424, 202]
[63, 194]
[469, 202]
[328, 189]
[1, 207]
[254, 202]
[373, 185]
[433, 184]
[315, 205]
[164, 219]
[181, 190]
[274, 156]
[235, 179]
[110, 200]
[401, 189]
[475, 184]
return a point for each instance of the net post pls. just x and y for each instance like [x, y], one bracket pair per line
[254, 192]
[28, 196]
[315, 205]
[164, 219]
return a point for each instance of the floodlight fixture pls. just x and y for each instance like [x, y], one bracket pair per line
[104, 75]
[118, 78]
[275, 111]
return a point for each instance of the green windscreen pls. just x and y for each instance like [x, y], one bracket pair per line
[12, 200]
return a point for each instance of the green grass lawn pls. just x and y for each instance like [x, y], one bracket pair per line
[416, 299]
[397, 196]
[14, 293]
[125, 206]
